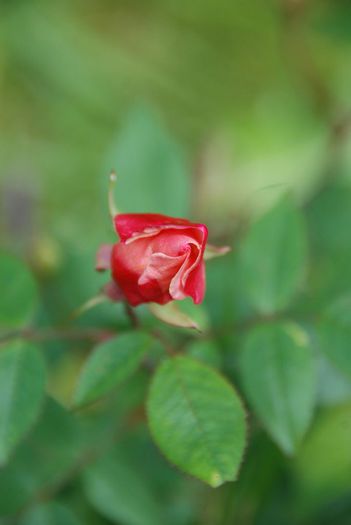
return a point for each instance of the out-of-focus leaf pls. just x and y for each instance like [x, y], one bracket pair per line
[279, 380]
[334, 334]
[111, 363]
[333, 386]
[18, 295]
[226, 297]
[205, 350]
[197, 420]
[152, 174]
[323, 464]
[273, 258]
[43, 460]
[327, 215]
[51, 513]
[22, 382]
[118, 490]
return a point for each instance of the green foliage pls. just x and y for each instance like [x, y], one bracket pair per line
[117, 489]
[323, 463]
[334, 334]
[197, 420]
[204, 114]
[22, 381]
[111, 363]
[279, 379]
[50, 514]
[18, 297]
[44, 459]
[273, 258]
[205, 350]
[155, 174]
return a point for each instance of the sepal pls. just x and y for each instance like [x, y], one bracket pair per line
[171, 314]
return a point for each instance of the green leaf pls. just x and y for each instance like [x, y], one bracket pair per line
[206, 351]
[322, 466]
[273, 258]
[151, 168]
[52, 450]
[111, 363]
[334, 387]
[117, 490]
[334, 334]
[278, 375]
[51, 513]
[18, 295]
[197, 420]
[22, 381]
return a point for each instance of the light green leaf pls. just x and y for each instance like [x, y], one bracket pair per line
[211, 251]
[51, 513]
[153, 175]
[172, 314]
[18, 295]
[322, 466]
[111, 363]
[197, 420]
[278, 375]
[334, 334]
[273, 258]
[22, 381]
[118, 491]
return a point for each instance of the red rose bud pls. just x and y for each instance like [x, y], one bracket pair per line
[159, 258]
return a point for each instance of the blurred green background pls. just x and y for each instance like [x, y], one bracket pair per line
[209, 110]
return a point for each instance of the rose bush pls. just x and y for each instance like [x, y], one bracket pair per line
[158, 258]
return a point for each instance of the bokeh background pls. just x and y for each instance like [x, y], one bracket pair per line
[210, 110]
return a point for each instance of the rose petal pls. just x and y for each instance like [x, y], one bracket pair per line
[161, 267]
[129, 225]
[195, 286]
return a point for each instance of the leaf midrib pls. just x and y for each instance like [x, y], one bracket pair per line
[210, 453]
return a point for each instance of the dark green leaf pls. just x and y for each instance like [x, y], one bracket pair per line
[334, 334]
[273, 258]
[111, 363]
[18, 295]
[49, 514]
[118, 490]
[43, 460]
[197, 420]
[22, 381]
[279, 380]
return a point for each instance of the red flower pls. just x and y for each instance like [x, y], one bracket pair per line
[159, 258]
